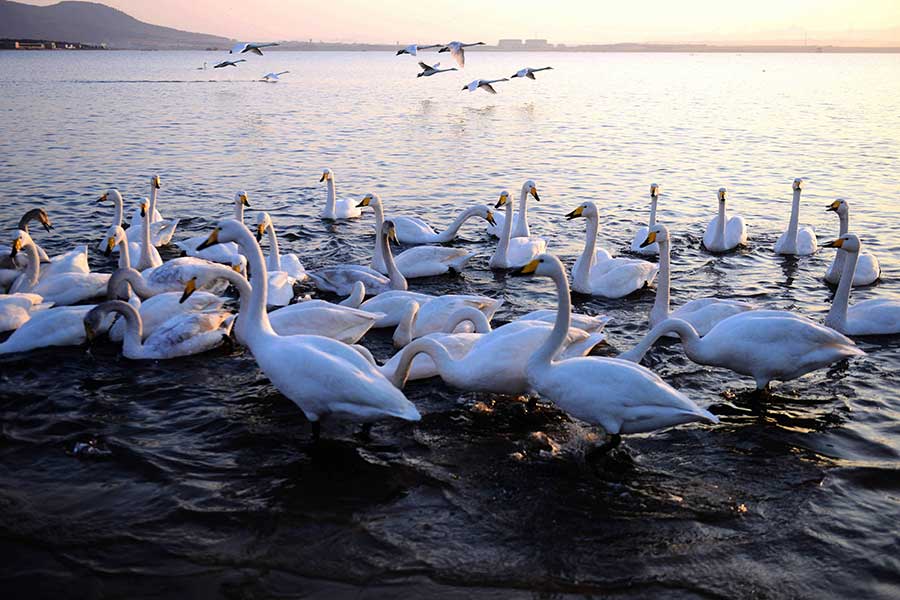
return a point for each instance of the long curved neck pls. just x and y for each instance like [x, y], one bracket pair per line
[794, 223]
[398, 281]
[356, 296]
[239, 210]
[274, 254]
[117, 216]
[33, 270]
[844, 220]
[378, 258]
[652, 221]
[330, 195]
[587, 255]
[689, 339]
[660, 310]
[153, 193]
[837, 315]
[124, 253]
[503, 244]
[403, 333]
[134, 329]
[522, 229]
[145, 240]
[544, 355]
[256, 316]
[720, 224]
[424, 345]
[119, 281]
[451, 231]
[470, 314]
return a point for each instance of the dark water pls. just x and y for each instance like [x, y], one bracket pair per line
[211, 485]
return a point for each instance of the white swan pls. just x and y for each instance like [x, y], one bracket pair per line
[16, 309]
[313, 317]
[637, 242]
[59, 326]
[767, 345]
[289, 263]
[432, 315]
[513, 251]
[182, 335]
[115, 197]
[149, 256]
[341, 279]
[701, 313]
[724, 234]
[155, 309]
[588, 323]
[116, 239]
[423, 261]
[222, 253]
[62, 289]
[797, 240]
[619, 396]
[869, 317]
[73, 261]
[413, 230]
[325, 378]
[161, 230]
[35, 214]
[433, 311]
[520, 226]
[595, 274]
[868, 271]
[173, 275]
[345, 208]
[457, 51]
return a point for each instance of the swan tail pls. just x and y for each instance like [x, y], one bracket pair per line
[458, 264]
[583, 347]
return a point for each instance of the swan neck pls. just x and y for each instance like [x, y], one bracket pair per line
[470, 314]
[424, 345]
[794, 223]
[153, 193]
[720, 225]
[652, 222]
[403, 334]
[256, 317]
[120, 209]
[239, 210]
[522, 229]
[837, 315]
[398, 281]
[330, 195]
[145, 240]
[590, 245]
[844, 220]
[451, 231]
[661, 304]
[33, 270]
[689, 339]
[274, 254]
[550, 348]
[124, 253]
[134, 329]
[379, 262]
[503, 244]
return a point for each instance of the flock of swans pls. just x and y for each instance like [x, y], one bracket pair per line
[309, 348]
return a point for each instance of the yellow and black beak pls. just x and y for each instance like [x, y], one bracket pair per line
[143, 210]
[110, 244]
[722, 195]
[212, 240]
[103, 198]
[651, 239]
[156, 183]
[16, 246]
[528, 269]
[237, 269]
[502, 201]
[364, 202]
[47, 225]
[189, 288]
[578, 212]
[244, 200]
[324, 177]
[392, 236]
[259, 231]
[534, 193]
[834, 243]
[833, 206]
[490, 218]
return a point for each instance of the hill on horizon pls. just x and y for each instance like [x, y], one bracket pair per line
[94, 23]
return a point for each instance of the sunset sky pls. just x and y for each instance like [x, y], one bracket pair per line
[568, 21]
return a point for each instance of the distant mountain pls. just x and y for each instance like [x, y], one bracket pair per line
[89, 22]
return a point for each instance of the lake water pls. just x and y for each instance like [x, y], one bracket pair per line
[213, 487]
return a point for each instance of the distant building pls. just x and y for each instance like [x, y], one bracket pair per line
[537, 44]
[510, 44]
[29, 46]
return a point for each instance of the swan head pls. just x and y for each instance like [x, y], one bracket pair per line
[327, 175]
[797, 185]
[657, 234]
[390, 232]
[585, 209]
[654, 190]
[189, 288]
[21, 240]
[94, 319]
[531, 188]
[239, 264]
[848, 242]
[228, 230]
[839, 206]
[110, 194]
[241, 197]
[723, 194]
[504, 198]
[36, 214]
[155, 182]
[263, 220]
[371, 199]
[114, 235]
[145, 206]
[544, 265]
[487, 214]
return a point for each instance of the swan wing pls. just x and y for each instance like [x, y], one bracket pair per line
[341, 323]
[187, 334]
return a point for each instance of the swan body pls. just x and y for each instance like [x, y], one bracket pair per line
[335, 209]
[868, 271]
[701, 313]
[173, 275]
[59, 326]
[16, 309]
[220, 253]
[432, 316]
[458, 52]
[520, 226]
[181, 335]
[73, 261]
[610, 277]
[413, 230]
[288, 263]
[161, 230]
[637, 242]
[433, 311]
[149, 256]
[878, 316]
[800, 241]
[323, 377]
[62, 289]
[342, 279]
[724, 234]
[620, 397]
[579, 321]
[513, 251]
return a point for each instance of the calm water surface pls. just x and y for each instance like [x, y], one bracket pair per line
[212, 486]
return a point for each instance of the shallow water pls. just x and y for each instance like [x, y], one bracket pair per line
[212, 486]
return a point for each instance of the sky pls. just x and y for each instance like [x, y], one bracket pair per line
[865, 22]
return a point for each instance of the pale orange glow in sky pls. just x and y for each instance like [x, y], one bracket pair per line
[868, 22]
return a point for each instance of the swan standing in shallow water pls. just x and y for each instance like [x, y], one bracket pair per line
[345, 208]
[701, 313]
[514, 252]
[619, 396]
[421, 261]
[223, 253]
[520, 226]
[182, 335]
[161, 230]
[596, 273]
[637, 242]
[869, 317]
[724, 234]
[323, 377]
[868, 271]
[797, 240]
[767, 345]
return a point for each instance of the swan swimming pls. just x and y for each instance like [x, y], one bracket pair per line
[637, 242]
[514, 251]
[161, 230]
[800, 241]
[868, 271]
[345, 208]
[342, 279]
[520, 226]
[60, 289]
[724, 234]
[222, 253]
